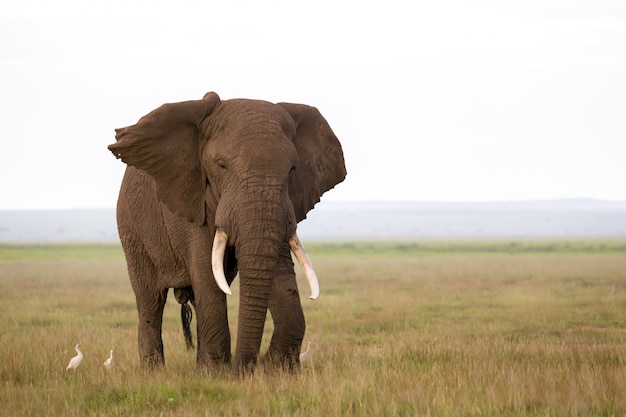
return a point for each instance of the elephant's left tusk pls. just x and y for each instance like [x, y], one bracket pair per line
[217, 260]
[305, 263]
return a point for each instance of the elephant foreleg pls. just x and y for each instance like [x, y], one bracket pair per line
[213, 331]
[286, 311]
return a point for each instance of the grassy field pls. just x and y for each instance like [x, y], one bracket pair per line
[432, 329]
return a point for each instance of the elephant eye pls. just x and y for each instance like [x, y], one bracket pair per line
[221, 164]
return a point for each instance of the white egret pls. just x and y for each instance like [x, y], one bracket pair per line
[76, 360]
[109, 363]
[304, 356]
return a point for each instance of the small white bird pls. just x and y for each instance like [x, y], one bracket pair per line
[109, 363]
[304, 356]
[76, 360]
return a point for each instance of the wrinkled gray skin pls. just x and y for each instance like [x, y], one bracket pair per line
[251, 168]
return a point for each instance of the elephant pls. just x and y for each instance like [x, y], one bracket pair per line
[214, 188]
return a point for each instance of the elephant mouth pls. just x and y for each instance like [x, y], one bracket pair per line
[217, 262]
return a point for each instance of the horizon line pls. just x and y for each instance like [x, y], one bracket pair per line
[383, 202]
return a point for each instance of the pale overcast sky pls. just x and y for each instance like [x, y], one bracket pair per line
[433, 101]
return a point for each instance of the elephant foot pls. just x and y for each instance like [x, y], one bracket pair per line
[213, 361]
[245, 367]
[214, 368]
[151, 357]
[153, 361]
[283, 362]
[214, 355]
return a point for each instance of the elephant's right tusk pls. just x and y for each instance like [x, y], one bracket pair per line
[305, 263]
[217, 260]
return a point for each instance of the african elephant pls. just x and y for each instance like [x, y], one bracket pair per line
[214, 188]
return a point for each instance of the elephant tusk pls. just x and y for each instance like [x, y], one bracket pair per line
[217, 260]
[305, 263]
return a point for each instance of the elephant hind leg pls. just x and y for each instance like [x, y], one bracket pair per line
[150, 309]
[286, 311]
[150, 304]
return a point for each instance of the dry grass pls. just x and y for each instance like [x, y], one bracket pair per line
[433, 330]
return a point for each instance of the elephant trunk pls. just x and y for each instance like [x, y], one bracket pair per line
[260, 232]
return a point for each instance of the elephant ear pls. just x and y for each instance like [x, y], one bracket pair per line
[165, 144]
[320, 158]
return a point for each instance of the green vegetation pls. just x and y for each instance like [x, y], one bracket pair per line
[441, 329]
[397, 249]
[66, 251]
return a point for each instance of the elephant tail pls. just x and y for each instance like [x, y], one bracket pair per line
[186, 314]
[184, 296]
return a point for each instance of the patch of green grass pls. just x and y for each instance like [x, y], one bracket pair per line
[401, 249]
[60, 251]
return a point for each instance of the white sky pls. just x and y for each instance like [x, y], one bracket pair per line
[433, 101]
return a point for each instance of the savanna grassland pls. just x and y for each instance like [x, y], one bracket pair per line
[432, 329]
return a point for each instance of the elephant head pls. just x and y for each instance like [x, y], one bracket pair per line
[239, 174]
